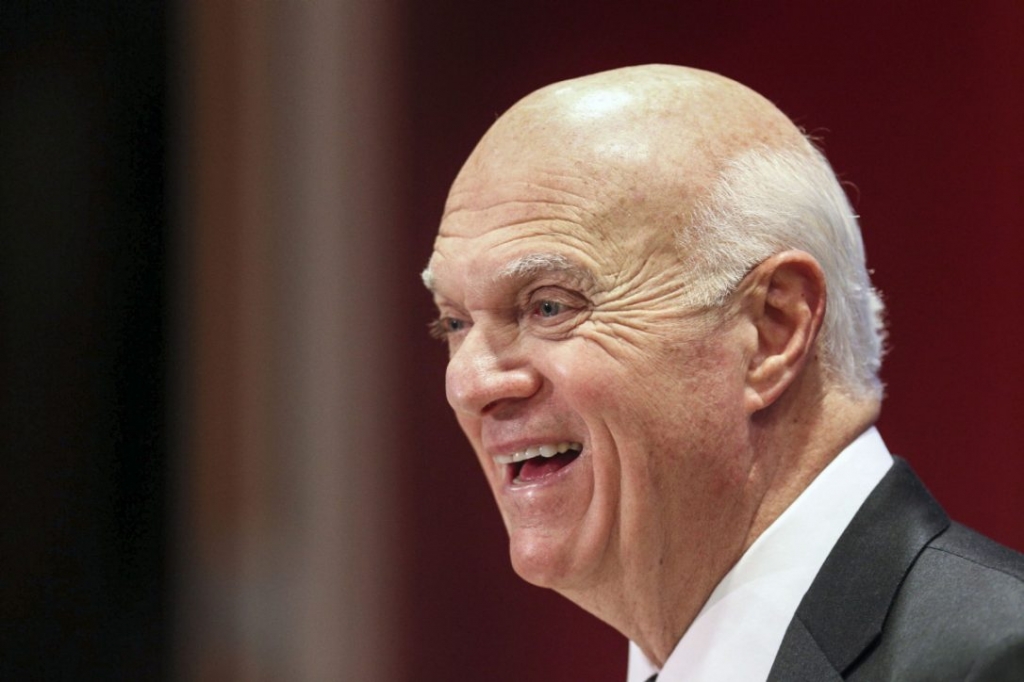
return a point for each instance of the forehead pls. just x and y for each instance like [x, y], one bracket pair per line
[463, 267]
[596, 219]
[521, 230]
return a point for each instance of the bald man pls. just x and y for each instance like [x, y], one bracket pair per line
[664, 350]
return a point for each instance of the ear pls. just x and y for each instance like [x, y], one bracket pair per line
[785, 302]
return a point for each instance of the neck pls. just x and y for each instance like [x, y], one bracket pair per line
[799, 443]
[791, 443]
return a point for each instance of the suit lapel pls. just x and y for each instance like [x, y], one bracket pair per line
[801, 659]
[843, 611]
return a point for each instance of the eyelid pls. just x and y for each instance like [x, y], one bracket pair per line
[556, 294]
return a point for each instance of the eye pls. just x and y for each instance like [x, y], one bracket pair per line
[553, 309]
[444, 327]
[549, 308]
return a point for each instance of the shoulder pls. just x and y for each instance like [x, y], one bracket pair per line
[959, 613]
[908, 596]
[966, 585]
[975, 582]
[959, 544]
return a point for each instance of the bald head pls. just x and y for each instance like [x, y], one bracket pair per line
[686, 109]
[671, 126]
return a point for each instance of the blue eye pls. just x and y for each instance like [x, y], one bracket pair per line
[549, 308]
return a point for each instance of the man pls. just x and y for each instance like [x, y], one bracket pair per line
[664, 349]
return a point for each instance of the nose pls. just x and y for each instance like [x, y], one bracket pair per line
[485, 373]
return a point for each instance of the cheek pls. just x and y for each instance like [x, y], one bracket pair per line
[690, 419]
[687, 398]
[609, 393]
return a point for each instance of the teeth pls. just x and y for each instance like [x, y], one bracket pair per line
[546, 450]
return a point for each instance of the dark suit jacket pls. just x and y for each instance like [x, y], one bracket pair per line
[906, 595]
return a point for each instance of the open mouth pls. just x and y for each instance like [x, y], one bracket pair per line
[537, 462]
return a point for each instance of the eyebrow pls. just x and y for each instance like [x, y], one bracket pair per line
[530, 265]
[428, 278]
[536, 264]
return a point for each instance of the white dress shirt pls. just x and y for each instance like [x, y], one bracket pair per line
[737, 634]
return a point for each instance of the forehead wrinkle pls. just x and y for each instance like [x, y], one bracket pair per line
[488, 190]
[468, 222]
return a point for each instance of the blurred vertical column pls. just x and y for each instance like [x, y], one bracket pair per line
[285, 534]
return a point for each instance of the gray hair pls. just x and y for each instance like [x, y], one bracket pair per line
[769, 200]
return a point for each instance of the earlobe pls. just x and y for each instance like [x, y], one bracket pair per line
[786, 305]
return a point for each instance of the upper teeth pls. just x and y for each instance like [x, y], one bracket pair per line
[546, 450]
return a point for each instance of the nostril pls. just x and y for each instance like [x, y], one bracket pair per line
[490, 407]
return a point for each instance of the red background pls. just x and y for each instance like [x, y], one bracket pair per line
[920, 107]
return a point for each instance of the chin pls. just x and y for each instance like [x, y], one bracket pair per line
[543, 561]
